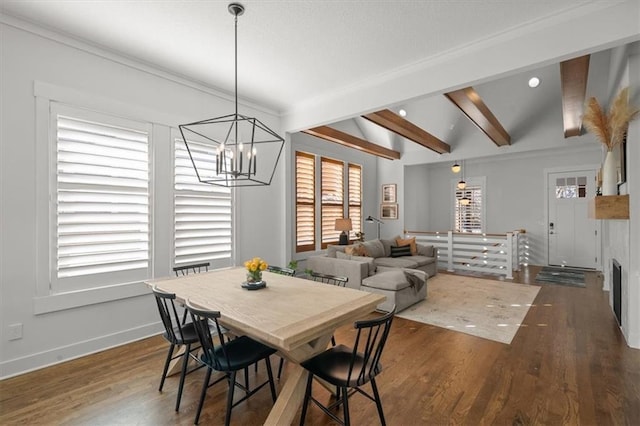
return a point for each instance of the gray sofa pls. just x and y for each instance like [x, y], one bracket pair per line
[378, 259]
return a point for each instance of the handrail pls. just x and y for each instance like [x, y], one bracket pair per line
[488, 253]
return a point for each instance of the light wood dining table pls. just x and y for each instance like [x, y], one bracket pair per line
[293, 315]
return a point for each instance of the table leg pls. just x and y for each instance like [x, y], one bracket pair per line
[290, 397]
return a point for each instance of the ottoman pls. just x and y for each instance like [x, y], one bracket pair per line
[402, 287]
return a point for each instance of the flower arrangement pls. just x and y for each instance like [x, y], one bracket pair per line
[610, 128]
[255, 267]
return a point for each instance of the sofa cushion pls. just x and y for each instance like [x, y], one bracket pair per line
[389, 280]
[397, 262]
[400, 251]
[374, 248]
[387, 245]
[332, 249]
[408, 241]
[423, 260]
[424, 250]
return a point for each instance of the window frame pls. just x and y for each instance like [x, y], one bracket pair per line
[478, 183]
[300, 248]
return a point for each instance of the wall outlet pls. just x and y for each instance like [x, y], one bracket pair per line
[15, 332]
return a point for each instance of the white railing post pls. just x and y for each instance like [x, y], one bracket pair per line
[509, 256]
[450, 251]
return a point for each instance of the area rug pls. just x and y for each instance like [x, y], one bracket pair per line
[564, 276]
[484, 308]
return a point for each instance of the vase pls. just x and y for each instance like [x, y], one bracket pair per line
[254, 277]
[609, 175]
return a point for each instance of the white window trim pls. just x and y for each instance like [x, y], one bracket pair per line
[475, 181]
[45, 301]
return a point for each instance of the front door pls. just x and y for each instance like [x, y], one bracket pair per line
[574, 239]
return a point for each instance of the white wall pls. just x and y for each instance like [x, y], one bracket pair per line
[100, 81]
[515, 192]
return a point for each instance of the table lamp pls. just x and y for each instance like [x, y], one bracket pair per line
[345, 226]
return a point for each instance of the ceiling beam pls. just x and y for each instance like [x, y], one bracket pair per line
[573, 78]
[470, 103]
[333, 135]
[393, 122]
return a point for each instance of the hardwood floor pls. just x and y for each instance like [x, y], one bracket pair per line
[568, 364]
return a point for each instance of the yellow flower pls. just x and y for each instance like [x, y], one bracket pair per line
[263, 265]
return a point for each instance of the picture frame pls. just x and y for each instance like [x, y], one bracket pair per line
[389, 211]
[389, 193]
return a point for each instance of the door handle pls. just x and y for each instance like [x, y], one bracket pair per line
[550, 232]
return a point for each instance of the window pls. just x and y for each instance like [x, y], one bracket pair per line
[355, 197]
[101, 200]
[468, 207]
[339, 187]
[305, 202]
[202, 213]
[571, 187]
[332, 179]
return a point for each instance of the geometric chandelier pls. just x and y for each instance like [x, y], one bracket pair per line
[233, 150]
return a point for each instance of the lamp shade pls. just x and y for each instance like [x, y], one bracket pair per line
[343, 224]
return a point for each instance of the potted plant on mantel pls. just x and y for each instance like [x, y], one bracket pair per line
[610, 130]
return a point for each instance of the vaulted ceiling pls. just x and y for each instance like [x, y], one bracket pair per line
[319, 63]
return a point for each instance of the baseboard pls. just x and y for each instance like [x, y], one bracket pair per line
[17, 366]
[633, 339]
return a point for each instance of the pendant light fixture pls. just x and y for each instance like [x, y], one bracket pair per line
[462, 184]
[455, 168]
[225, 150]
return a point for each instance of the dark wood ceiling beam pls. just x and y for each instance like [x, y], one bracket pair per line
[333, 135]
[573, 78]
[470, 103]
[393, 122]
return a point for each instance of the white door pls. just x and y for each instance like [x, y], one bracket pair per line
[574, 238]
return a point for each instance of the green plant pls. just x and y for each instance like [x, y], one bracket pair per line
[293, 264]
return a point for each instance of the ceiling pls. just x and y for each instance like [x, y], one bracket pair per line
[292, 53]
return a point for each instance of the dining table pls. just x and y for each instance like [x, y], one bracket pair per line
[294, 315]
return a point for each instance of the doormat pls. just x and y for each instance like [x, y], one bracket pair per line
[562, 276]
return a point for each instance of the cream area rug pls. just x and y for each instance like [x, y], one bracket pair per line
[484, 308]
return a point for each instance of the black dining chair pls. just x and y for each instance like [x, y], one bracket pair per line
[289, 273]
[329, 279]
[228, 357]
[350, 368]
[194, 267]
[333, 280]
[281, 270]
[177, 334]
[184, 270]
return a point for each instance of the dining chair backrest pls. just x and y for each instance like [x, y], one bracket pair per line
[169, 315]
[329, 279]
[281, 270]
[369, 343]
[212, 343]
[195, 268]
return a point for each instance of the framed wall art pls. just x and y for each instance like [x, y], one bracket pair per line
[389, 193]
[389, 211]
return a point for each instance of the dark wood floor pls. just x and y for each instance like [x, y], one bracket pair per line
[568, 364]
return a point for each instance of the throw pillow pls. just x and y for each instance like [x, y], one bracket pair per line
[398, 251]
[356, 250]
[332, 249]
[410, 242]
[374, 248]
[387, 245]
[341, 255]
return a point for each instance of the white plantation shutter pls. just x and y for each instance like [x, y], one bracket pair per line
[101, 200]
[469, 218]
[355, 197]
[203, 215]
[305, 202]
[332, 188]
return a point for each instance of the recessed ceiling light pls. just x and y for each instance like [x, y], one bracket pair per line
[402, 113]
[534, 82]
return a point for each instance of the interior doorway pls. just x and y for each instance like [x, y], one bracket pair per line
[573, 237]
